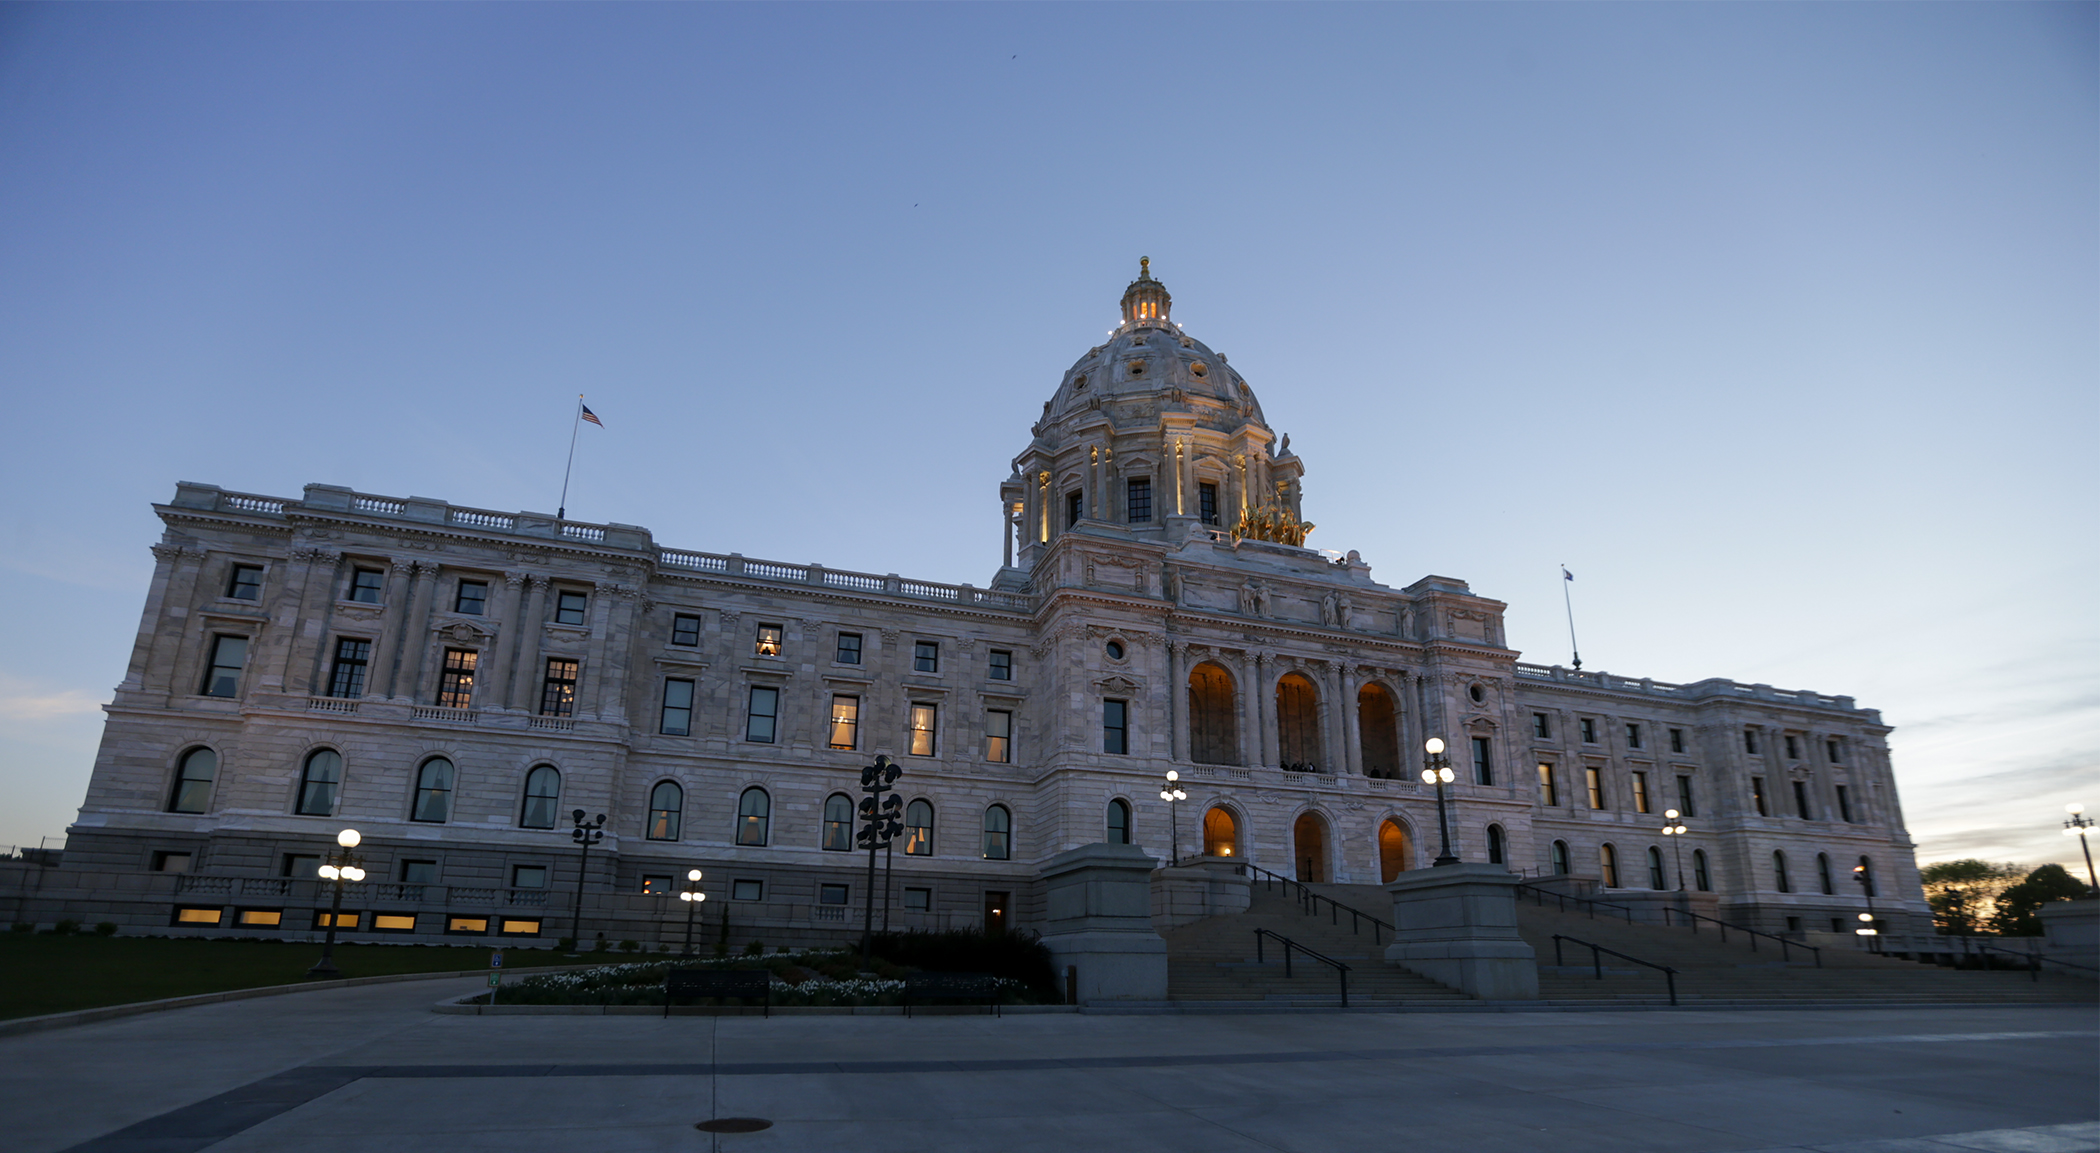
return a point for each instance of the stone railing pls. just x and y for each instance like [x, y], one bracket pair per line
[738, 565]
[1648, 686]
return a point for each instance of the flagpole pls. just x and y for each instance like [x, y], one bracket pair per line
[576, 422]
[1566, 579]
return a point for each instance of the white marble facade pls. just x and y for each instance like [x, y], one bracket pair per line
[1121, 579]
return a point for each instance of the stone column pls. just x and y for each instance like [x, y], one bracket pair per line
[615, 655]
[1265, 707]
[1099, 903]
[1458, 925]
[379, 678]
[1409, 704]
[174, 584]
[418, 662]
[1252, 739]
[309, 589]
[1352, 723]
[1006, 533]
[503, 655]
[531, 627]
[1177, 699]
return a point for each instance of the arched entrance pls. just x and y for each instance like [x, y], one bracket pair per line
[1298, 723]
[1214, 732]
[1393, 850]
[1379, 723]
[1309, 847]
[1221, 834]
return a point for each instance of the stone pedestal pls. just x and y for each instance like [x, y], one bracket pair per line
[2071, 933]
[1204, 887]
[1458, 925]
[1099, 904]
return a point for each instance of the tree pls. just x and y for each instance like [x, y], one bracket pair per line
[2018, 905]
[1964, 894]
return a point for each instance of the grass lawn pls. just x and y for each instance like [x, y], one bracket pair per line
[49, 974]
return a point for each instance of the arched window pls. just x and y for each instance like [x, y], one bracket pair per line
[998, 833]
[1608, 858]
[1298, 723]
[1379, 722]
[1866, 873]
[1221, 834]
[193, 779]
[1700, 876]
[754, 817]
[319, 783]
[1118, 822]
[542, 794]
[838, 823]
[433, 791]
[1495, 851]
[1561, 867]
[1392, 850]
[1779, 876]
[1214, 735]
[1823, 874]
[918, 829]
[1309, 847]
[666, 811]
[1655, 869]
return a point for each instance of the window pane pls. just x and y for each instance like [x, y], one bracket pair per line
[193, 781]
[685, 630]
[1483, 762]
[569, 608]
[228, 655]
[764, 714]
[838, 823]
[768, 642]
[677, 718]
[542, 794]
[347, 678]
[921, 732]
[753, 817]
[317, 785]
[926, 657]
[845, 722]
[558, 691]
[246, 584]
[1002, 665]
[433, 790]
[918, 829]
[473, 598]
[456, 683]
[1547, 794]
[1115, 727]
[998, 736]
[849, 648]
[1140, 505]
[1118, 823]
[998, 827]
[666, 809]
[365, 585]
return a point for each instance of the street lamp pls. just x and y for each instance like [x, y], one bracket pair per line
[1173, 794]
[692, 896]
[1867, 930]
[2081, 826]
[585, 834]
[1436, 770]
[1676, 828]
[342, 865]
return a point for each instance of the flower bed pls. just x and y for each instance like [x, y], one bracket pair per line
[803, 977]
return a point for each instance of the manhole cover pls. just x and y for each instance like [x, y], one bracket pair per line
[734, 1125]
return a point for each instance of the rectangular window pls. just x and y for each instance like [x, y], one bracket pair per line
[677, 719]
[1075, 507]
[528, 876]
[192, 915]
[301, 866]
[569, 608]
[1115, 727]
[849, 648]
[419, 872]
[1793, 748]
[223, 678]
[1001, 665]
[1542, 726]
[456, 682]
[393, 922]
[845, 721]
[762, 719]
[767, 644]
[1844, 805]
[653, 886]
[1207, 503]
[747, 890]
[834, 894]
[1750, 741]
[1548, 794]
[1676, 740]
[1483, 762]
[1801, 801]
[1687, 804]
[246, 584]
[1834, 751]
[926, 657]
[346, 678]
[558, 691]
[260, 918]
[516, 928]
[1633, 736]
[1593, 781]
[1640, 793]
[685, 630]
[918, 900]
[1140, 499]
[1757, 795]
[462, 925]
[342, 921]
[999, 736]
[921, 732]
[1589, 731]
[472, 599]
[171, 862]
[366, 584]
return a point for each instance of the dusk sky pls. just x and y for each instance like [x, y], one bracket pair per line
[1775, 323]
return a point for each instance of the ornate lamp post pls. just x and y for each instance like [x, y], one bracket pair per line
[1173, 794]
[342, 865]
[1436, 770]
[882, 818]
[2081, 826]
[585, 834]
[1867, 927]
[1675, 828]
[692, 896]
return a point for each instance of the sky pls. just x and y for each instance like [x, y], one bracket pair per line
[1776, 324]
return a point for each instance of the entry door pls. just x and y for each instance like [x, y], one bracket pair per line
[995, 912]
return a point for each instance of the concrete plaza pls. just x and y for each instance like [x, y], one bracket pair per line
[373, 1069]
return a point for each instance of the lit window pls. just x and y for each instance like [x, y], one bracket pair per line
[260, 918]
[1548, 794]
[762, 720]
[998, 833]
[754, 817]
[1140, 499]
[342, 920]
[193, 779]
[677, 719]
[393, 922]
[838, 823]
[1118, 822]
[472, 599]
[1640, 793]
[223, 678]
[656, 886]
[1483, 762]
[558, 690]
[433, 791]
[318, 783]
[747, 890]
[464, 925]
[542, 794]
[768, 642]
[666, 811]
[246, 584]
[1001, 667]
[456, 682]
[517, 928]
[845, 721]
[1608, 859]
[921, 731]
[918, 829]
[192, 915]
[569, 608]
[1115, 727]
[685, 630]
[347, 677]
[926, 657]
[366, 585]
[1593, 782]
[849, 648]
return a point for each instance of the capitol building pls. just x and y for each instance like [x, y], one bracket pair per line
[455, 682]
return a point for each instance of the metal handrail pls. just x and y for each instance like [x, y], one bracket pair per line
[1814, 950]
[1597, 962]
[1309, 901]
[1341, 970]
[1539, 896]
[2035, 961]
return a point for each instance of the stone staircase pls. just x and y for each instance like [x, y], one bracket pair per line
[1213, 962]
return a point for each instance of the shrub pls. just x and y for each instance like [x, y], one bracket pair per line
[630, 946]
[1019, 955]
[105, 928]
[65, 928]
[755, 949]
[22, 927]
[603, 945]
[565, 945]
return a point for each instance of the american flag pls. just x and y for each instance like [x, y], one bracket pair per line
[592, 416]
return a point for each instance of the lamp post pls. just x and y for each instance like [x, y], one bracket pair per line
[585, 834]
[692, 896]
[1868, 929]
[342, 865]
[1436, 770]
[1675, 828]
[1173, 794]
[2081, 826]
[882, 818]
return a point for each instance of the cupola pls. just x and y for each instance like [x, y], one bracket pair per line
[1145, 302]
